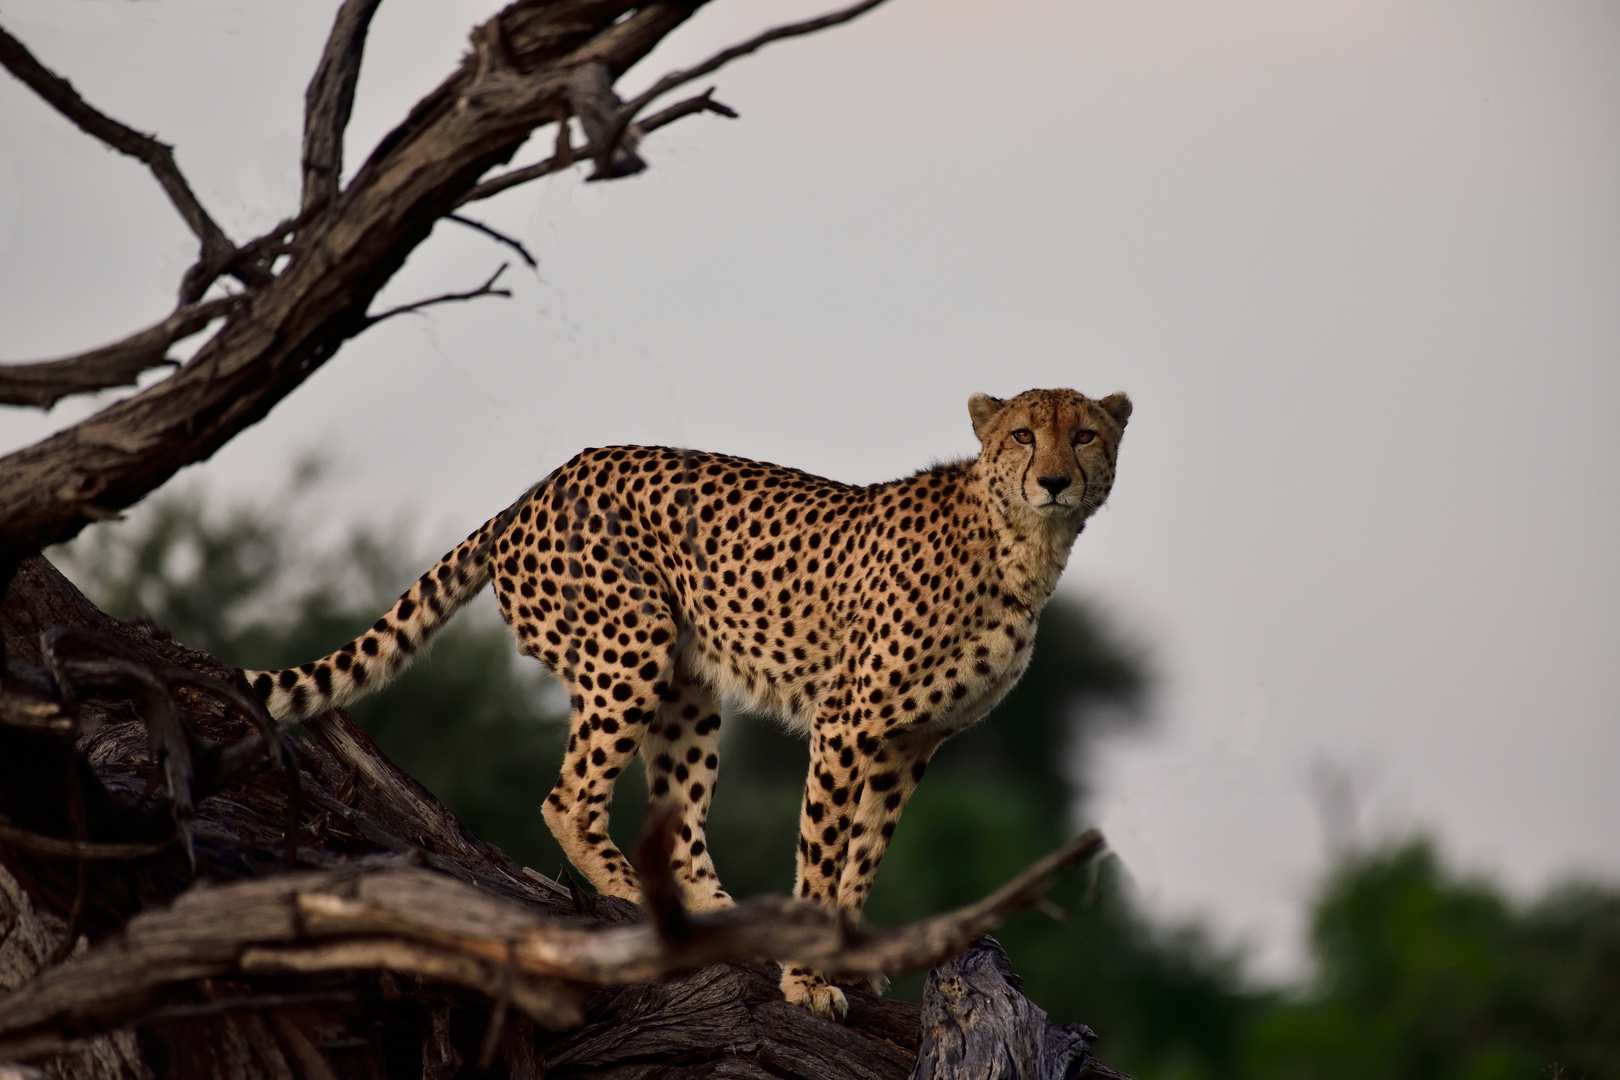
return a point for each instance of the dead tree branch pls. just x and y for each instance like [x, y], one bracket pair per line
[486, 289]
[44, 383]
[719, 60]
[329, 100]
[498, 236]
[566, 155]
[157, 156]
[534, 63]
[292, 323]
[417, 923]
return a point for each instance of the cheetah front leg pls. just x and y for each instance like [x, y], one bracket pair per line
[858, 785]
[831, 794]
[891, 775]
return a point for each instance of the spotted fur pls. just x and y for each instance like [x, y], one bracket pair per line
[876, 620]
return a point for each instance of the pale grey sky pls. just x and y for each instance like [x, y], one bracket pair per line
[1357, 263]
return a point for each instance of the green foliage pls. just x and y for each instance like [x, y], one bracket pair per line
[1419, 974]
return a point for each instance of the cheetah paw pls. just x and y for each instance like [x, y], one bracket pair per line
[810, 991]
[703, 903]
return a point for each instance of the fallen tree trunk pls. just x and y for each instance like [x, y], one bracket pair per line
[140, 940]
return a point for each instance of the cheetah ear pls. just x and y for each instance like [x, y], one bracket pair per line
[984, 409]
[1118, 406]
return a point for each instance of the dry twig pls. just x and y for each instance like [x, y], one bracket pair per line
[498, 236]
[719, 60]
[486, 289]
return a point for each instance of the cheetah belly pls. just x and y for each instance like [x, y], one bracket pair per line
[791, 697]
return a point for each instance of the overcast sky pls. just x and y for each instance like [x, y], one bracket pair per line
[1357, 264]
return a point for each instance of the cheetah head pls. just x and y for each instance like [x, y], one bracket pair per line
[1049, 453]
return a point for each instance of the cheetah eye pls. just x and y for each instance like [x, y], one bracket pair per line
[1024, 435]
[1084, 437]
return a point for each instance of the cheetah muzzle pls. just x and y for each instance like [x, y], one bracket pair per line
[875, 620]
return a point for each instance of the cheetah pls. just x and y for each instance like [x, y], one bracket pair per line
[876, 621]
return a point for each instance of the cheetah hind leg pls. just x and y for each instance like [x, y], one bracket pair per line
[602, 740]
[681, 749]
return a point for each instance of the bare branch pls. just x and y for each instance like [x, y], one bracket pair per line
[719, 60]
[703, 102]
[329, 100]
[498, 236]
[423, 923]
[445, 298]
[46, 382]
[566, 155]
[61, 96]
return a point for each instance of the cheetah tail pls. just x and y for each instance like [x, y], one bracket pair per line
[375, 657]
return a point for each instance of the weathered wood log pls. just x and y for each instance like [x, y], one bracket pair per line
[978, 1025]
[401, 944]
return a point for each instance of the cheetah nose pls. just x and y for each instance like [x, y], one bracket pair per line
[1053, 484]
